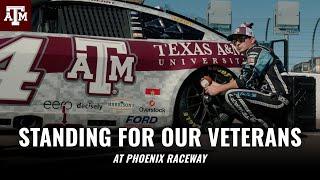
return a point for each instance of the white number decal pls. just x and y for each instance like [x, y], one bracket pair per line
[21, 55]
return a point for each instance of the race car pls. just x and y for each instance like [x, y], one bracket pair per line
[105, 63]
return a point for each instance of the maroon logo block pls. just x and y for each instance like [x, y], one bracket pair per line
[15, 15]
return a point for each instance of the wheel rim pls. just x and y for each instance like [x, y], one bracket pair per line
[195, 106]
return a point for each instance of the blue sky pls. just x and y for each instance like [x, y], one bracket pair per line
[258, 12]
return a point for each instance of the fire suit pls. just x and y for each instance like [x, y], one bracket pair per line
[262, 96]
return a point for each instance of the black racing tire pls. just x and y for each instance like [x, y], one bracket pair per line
[191, 107]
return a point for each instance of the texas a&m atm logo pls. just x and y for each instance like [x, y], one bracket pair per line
[19, 14]
[96, 63]
[15, 15]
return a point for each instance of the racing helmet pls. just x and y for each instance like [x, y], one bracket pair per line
[244, 29]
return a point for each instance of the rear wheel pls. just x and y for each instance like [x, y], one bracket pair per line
[194, 108]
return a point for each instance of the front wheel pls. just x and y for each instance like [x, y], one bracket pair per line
[194, 108]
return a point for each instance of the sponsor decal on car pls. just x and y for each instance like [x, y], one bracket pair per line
[55, 104]
[151, 103]
[152, 91]
[103, 1]
[195, 54]
[142, 119]
[151, 110]
[180, 20]
[89, 105]
[120, 104]
[58, 105]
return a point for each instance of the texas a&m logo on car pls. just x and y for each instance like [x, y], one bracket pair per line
[15, 15]
[101, 67]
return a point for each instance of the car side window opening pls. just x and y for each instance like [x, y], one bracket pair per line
[109, 21]
[161, 28]
[82, 19]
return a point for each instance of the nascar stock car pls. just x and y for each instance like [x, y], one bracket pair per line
[104, 63]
